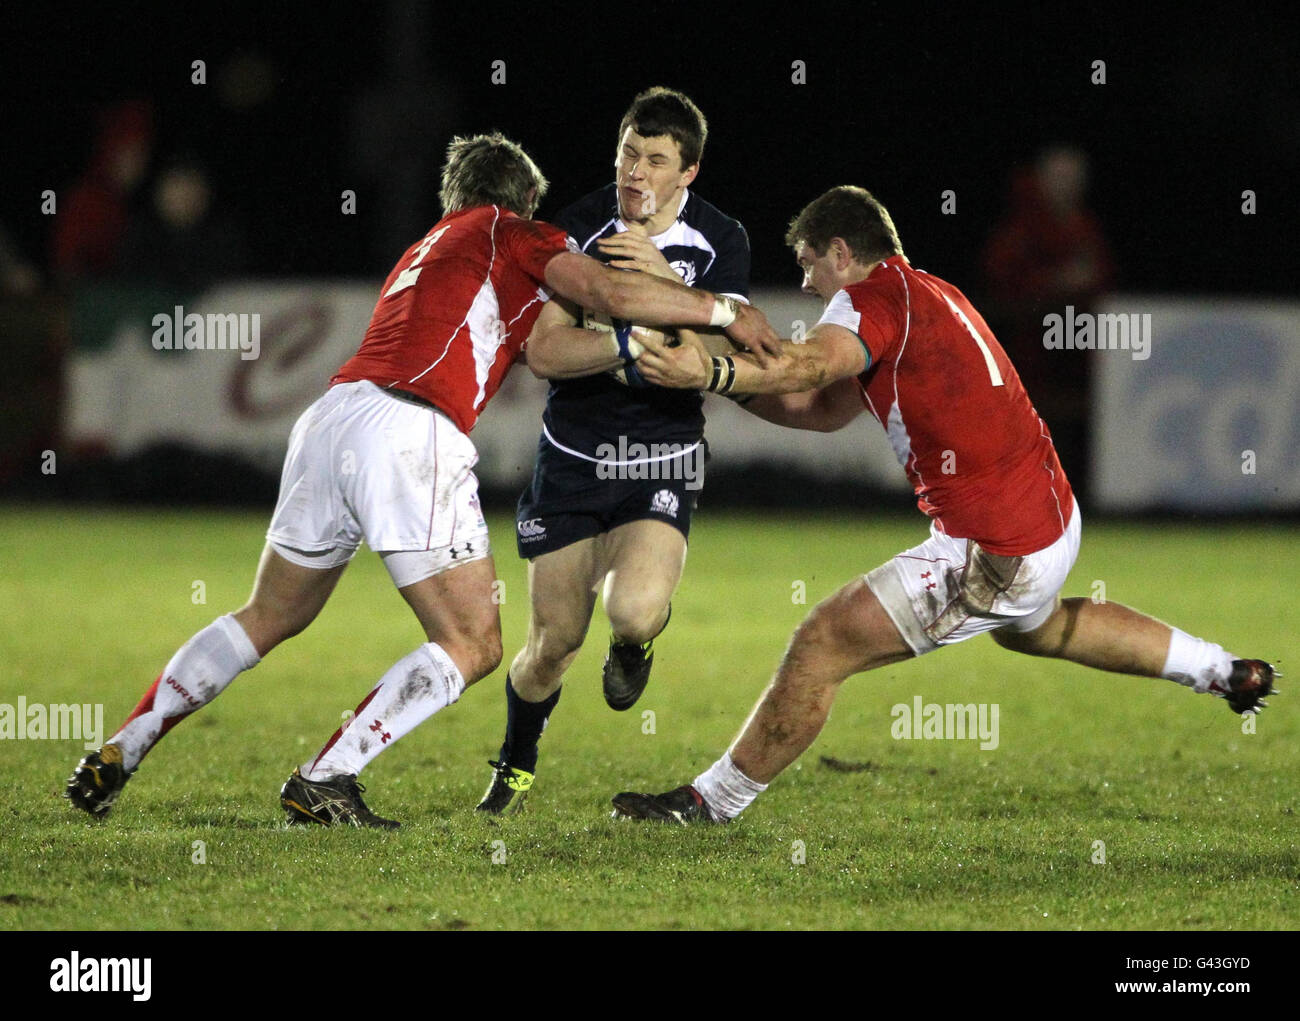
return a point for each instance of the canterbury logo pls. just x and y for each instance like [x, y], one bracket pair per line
[531, 529]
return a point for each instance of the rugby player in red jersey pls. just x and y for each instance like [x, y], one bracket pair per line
[384, 456]
[1004, 531]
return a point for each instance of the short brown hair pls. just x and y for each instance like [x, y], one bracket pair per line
[490, 170]
[662, 111]
[851, 213]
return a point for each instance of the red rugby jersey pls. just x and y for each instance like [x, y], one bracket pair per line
[978, 456]
[454, 313]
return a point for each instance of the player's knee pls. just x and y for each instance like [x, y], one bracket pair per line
[490, 653]
[1047, 638]
[475, 657]
[1008, 639]
[1031, 643]
[635, 618]
[826, 622]
[267, 628]
[551, 649]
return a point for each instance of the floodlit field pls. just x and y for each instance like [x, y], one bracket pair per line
[1194, 818]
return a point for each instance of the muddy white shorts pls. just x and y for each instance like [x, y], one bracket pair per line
[364, 464]
[947, 590]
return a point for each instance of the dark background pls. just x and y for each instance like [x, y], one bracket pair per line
[1200, 104]
[305, 101]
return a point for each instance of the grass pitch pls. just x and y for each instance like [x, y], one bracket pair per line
[1196, 817]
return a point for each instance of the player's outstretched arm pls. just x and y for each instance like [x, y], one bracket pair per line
[825, 410]
[644, 298]
[558, 348]
[829, 354]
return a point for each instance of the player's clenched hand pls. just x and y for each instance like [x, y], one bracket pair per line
[687, 367]
[647, 336]
[633, 249]
[751, 330]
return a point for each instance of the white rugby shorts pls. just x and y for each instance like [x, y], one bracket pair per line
[366, 465]
[947, 590]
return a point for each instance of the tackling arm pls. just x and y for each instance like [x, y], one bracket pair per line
[560, 349]
[644, 298]
[830, 353]
[825, 410]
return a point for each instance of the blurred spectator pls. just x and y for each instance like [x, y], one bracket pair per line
[1049, 252]
[397, 128]
[33, 339]
[178, 243]
[17, 275]
[91, 221]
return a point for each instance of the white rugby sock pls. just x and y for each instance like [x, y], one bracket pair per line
[1195, 662]
[193, 677]
[413, 689]
[726, 790]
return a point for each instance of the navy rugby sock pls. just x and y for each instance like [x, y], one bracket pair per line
[525, 722]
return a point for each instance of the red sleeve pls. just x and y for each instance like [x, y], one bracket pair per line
[882, 317]
[531, 244]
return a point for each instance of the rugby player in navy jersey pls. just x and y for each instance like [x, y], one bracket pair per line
[619, 464]
[385, 455]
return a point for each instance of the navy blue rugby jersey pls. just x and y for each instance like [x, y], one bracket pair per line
[707, 249]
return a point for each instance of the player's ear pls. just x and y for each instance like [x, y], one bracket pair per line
[839, 249]
[689, 174]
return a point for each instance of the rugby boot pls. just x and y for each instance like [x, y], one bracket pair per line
[1249, 682]
[683, 805]
[336, 799]
[627, 670]
[505, 794]
[97, 781]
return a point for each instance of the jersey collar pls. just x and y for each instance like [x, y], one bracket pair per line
[893, 260]
[620, 226]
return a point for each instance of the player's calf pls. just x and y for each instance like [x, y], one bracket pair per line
[1117, 638]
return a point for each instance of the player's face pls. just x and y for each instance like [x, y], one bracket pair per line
[820, 277]
[650, 177]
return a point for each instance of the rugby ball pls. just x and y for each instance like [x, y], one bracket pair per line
[602, 323]
[715, 342]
